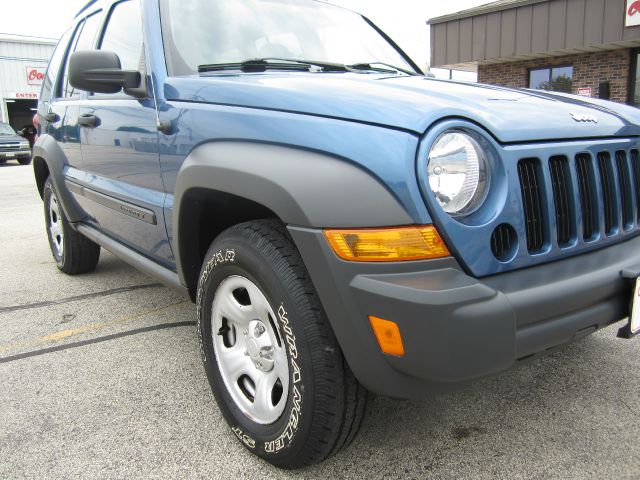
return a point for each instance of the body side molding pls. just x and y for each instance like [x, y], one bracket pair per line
[126, 208]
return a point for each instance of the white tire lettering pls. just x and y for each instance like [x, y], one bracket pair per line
[287, 435]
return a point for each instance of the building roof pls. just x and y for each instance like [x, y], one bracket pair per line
[11, 37]
[482, 9]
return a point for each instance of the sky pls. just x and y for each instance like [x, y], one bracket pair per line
[402, 20]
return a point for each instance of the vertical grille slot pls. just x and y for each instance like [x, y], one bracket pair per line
[635, 164]
[588, 202]
[563, 199]
[624, 183]
[529, 174]
[608, 193]
[504, 242]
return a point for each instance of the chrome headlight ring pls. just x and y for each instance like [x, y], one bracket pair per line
[458, 172]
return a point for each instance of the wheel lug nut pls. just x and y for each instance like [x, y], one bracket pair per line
[266, 352]
[259, 330]
[245, 332]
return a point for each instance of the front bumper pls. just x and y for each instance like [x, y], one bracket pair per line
[14, 154]
[455, 327]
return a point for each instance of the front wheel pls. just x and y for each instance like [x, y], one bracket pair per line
[73, 252]
[272, 360]
[24, 161]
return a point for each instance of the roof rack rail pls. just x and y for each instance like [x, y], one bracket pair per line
[91, 2]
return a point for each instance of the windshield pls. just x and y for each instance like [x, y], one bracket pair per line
[5, 129]
[205, 32]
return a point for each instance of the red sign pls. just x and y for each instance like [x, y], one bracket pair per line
[632, 14]
[19, 95]
[35, 75]
[585, 92]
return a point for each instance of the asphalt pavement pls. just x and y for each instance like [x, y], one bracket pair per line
[100, 377]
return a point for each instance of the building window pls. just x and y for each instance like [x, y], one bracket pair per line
[557, 79]
[635, 78]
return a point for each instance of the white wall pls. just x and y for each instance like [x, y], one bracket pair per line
[16, 55]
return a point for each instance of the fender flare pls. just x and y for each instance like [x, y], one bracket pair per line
[47, 149]
[302, 187]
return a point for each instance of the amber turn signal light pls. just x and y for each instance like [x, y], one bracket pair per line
[387, 244]
[388, 336]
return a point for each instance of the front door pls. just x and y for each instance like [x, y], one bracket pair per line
[120, 171]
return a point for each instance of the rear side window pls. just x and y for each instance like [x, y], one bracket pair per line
[123, 35]
[54, 67]
[84, 41]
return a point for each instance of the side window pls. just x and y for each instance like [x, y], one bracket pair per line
[54, 67]
[123, 35]
[84, 41]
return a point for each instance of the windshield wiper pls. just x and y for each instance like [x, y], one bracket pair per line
[264, 64]
[370, 66]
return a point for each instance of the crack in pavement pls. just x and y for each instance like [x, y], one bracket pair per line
[91, 327]
[77, 298]
[91, 341]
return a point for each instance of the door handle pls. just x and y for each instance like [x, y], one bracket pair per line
[88, 120]
[51, 117]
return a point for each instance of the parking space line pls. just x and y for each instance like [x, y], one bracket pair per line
[92, 327]
[76, 298]
[91, 341]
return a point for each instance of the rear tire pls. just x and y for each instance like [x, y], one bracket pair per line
[255, 298]
[73, 252]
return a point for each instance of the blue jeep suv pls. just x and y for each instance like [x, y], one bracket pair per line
[343, 222]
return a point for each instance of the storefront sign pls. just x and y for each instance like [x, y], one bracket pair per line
[632, 14]
[21, 95]
[35, 75]
[585, 92]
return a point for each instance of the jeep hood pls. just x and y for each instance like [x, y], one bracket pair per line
[414, 103]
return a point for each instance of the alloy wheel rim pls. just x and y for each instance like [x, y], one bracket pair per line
[56, 233]
[250, 352]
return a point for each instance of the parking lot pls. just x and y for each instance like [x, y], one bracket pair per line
[100, 377]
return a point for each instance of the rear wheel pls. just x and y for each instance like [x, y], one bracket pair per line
[272, 360]
[74, 253]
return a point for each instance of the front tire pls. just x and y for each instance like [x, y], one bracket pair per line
[272, 360]
[73, 252]
[24, 161]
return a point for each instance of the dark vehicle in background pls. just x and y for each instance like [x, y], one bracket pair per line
[13, 146]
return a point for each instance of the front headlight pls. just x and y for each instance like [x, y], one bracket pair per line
[458, 172]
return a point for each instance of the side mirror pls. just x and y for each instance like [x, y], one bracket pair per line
[99, 71]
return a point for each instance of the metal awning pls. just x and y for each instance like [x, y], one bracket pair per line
[512, 30]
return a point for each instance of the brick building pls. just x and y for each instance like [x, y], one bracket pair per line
[585, 47]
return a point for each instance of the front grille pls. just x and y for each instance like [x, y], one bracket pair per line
[624, 184]
[563, 199]
[635, 164]
[608, 194]
[9, 147]
[503, 241]
[588, 200]
[602, 190]
[529, 174]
